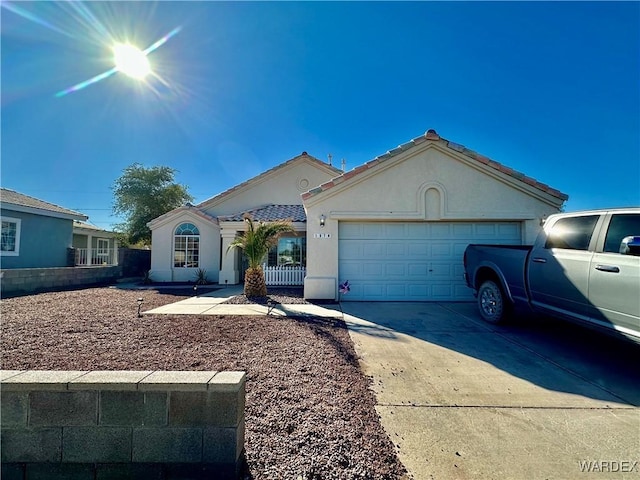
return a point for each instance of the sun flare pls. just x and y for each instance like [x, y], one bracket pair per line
[131, 61]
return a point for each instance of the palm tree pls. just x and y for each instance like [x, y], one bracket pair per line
[255, 243]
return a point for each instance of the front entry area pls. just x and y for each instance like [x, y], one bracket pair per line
[413, 261]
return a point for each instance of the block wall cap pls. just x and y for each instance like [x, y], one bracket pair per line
[6, 374]
[122, 380]
[50, 380]
[229, 381]
[109, 380]
[177, 381]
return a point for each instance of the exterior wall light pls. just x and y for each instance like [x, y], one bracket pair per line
[322, 220]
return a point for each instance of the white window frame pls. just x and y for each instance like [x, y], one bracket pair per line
[186, 238]
[16, 251]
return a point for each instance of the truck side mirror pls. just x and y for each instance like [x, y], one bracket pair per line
[630, 246]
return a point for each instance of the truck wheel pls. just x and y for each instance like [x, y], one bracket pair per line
[491, 302]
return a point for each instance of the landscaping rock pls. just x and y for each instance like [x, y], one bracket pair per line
[309, 414]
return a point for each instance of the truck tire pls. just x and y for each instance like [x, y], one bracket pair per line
[493, 305]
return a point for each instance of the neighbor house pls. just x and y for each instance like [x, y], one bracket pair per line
[93, 245]
[35, 233]
[45, 247]
[395, 227]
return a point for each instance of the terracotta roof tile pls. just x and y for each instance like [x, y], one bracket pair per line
[269, 213]
[456, 147]
[556, 193]
[432, 135]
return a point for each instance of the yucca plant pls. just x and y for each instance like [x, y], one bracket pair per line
[201, 277]
[255, 243]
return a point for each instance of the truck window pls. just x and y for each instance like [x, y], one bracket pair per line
[621, 226]
[573, 233]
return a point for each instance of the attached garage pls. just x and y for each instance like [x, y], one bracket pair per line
[413, 261]
[397, 226]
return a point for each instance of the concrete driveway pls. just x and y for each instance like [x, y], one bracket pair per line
[462, 399]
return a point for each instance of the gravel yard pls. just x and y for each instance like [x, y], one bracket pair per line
[309, 414]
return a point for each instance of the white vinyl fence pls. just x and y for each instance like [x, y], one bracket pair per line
[96, 256]
[284, 275]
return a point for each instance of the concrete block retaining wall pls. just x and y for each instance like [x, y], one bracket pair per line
[18, 281]
[121, 424]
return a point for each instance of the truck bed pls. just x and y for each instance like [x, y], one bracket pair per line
[510, 260]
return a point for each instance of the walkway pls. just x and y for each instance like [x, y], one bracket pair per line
[213, 304]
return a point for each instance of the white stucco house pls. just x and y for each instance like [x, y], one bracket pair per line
[395, 227]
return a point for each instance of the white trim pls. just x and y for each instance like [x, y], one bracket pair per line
[43, 212]
[383, 163]
[243, 187]
[18, 222]
[174, 215]
[84, 231]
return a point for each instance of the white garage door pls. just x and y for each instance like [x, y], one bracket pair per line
[413, 261]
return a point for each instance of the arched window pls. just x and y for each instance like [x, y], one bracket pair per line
[186, 246]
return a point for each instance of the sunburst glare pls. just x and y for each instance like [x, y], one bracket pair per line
[129, 60]
[129, 41]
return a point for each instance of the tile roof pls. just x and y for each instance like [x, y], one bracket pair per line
[268, 172]
[270, 213]
[88, 226]
[14, 198]
[432, 136]
[185, 208]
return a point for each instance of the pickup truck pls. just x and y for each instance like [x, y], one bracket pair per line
[583, 267]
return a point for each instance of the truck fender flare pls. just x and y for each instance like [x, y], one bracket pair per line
[494, 268]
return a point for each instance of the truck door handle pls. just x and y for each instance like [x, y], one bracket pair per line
[608, 268]
[538, 260]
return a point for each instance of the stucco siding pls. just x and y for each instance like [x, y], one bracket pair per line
[43, 241]
[162, 269]
[463, 192]
[424, 184]
[280, 188]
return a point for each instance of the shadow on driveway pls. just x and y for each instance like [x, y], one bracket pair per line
[548, 353]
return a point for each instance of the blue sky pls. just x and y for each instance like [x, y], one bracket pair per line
[549, 89]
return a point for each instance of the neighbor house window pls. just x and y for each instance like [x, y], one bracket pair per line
[10, 239]
[186, 246]
[289, 251]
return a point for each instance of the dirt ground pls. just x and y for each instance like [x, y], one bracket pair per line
[309, 415]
